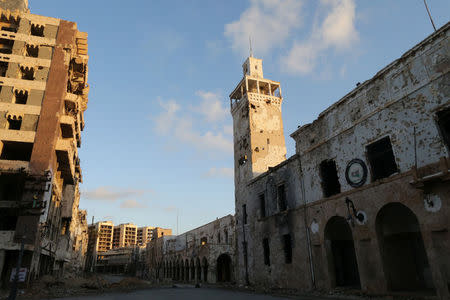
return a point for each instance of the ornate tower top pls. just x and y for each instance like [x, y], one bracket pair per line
[257, 122]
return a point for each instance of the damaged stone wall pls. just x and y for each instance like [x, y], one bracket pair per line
[295, 245]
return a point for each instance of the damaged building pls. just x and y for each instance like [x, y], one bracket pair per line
[364, 202]
[204, 254]
[43, 96]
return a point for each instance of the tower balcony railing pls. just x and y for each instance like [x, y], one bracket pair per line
[255, 96]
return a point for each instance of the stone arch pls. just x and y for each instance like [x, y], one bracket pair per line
[341, 255]
[205, 269]
[199, 269]
[192, 276]
[186, 270]
[224, 268]
[405, 261]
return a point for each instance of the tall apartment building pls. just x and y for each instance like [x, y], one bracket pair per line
[159, 232]
[43, 95]
[100, 240]
[144, 235]
[124, 235]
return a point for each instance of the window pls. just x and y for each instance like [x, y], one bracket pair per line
[6, 46]
[14, 123]
[226, 236]
[266, 250]
[218, 238]
[21, 96]
[262, 204]
[37, 30]
[381, 158]
[287, 247]
[32, 50]
[3, 68]
[27, 73]
[330, 180]
[281, 194]
[443, 120]
[244, 214]
[16, 151]
[203, 241]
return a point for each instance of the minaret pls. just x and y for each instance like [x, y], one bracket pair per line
[257, 123]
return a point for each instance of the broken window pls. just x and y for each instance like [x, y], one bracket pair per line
[266, 250]
[16, 151]
[14, 123]
[3, 67]
[281, 195]
[37, 30]
[32, 50]
[6, 46]
[381, 158]
[262, 204]
[287, 247]
[443, 120]
[329, 176]
[11, 187]
[20, 96]
[27, 73]
[66, 131]
[244, 214]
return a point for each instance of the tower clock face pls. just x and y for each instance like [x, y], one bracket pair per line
[356, 173]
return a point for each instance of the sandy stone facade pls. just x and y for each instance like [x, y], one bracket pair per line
[204, 254]
[364, 202]
[43, 96]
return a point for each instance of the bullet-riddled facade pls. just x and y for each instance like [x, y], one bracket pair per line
[43, 96]
[364, 202]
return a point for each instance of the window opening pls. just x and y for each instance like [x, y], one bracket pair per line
[329, 176]
[262, 203]
[32, 50]
[27, 73]
[244, 214]
[3, 67]
[266, 249]
[203, 241]
[6, 46]
[14, 124]
[16, 151]
[287, 247]
[21, 96]
[66, 131]
[281, 197]
[443, 120]
[381, 158]
[37, 30]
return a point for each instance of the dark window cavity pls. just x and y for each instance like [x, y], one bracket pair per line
[329, 176]
[21, 96]
[443, 119]
[266, 250]
[287, 247]
[281, 194]
[37, 30]
[244, 214]
[262, 204]
[14, 124]
[16, 151]
[381, 158]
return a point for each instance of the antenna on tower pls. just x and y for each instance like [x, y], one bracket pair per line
[429, 14]
[250, 42]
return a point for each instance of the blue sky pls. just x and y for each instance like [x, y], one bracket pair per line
[158, 135]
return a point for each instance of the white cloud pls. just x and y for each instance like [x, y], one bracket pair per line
[186, 127]
[220, 172]
[268, 22]
[164, 121]
[211, 107]
[337, 32]
[131, 203]
[109, 193]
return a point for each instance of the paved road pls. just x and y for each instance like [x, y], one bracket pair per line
[179, 293]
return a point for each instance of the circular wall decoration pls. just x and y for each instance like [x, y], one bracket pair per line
[356, 172]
